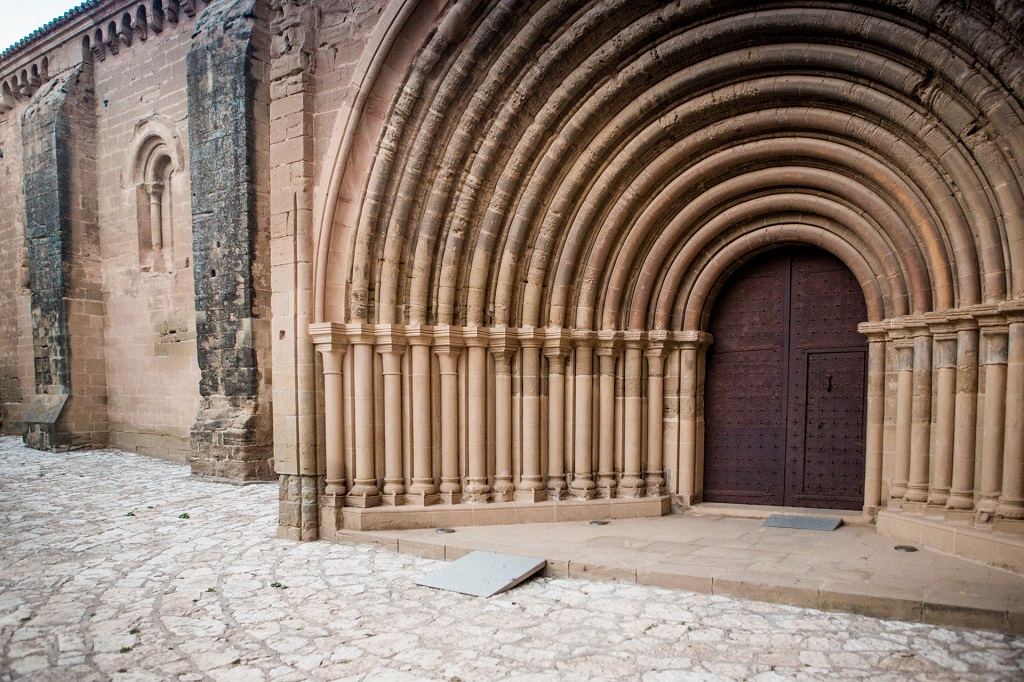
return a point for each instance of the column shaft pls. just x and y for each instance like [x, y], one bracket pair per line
[477, 487]
[655, 478]
[961, 494]
[365, 492]
[556, 425]
[921, 419]
[531, 487]
[875, 425]
[904, 411]
[503, 486]
[1011, 503]
[334, 443]
[632, 485]
[583, 479]
[995, 350]
[687, 423]
[450, 481]
[422, 443]
[394, 475]
[606, 433]
[945, 420]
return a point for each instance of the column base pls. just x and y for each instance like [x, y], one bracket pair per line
[1010, 509]
[606, 491]
[960, 501]
[916, 494]
[422, 499]
[503, 491]
[476, 492]
[655, 489]
[392, 499]
[362, 500]
[631, 488]
[581, 493]
[454, 497]
[938, 498]
[530, 495]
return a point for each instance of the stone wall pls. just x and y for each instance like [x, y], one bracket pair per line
[152, 373]
[59, 154]
[229, 140]
[17, 382]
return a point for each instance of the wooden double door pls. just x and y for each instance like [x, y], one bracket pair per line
[785, 391]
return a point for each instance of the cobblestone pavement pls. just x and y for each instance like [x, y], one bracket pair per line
[117, 566]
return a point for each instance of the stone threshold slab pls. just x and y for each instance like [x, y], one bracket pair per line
[997, 613]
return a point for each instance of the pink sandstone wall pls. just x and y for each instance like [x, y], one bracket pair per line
[16, 372]
[152, 373]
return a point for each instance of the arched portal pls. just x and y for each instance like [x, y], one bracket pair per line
[786, 384]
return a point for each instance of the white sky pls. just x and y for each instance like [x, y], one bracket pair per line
[18, 18]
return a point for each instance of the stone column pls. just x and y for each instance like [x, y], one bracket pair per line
[921, 416]
[503, 348]
[422, 489]
[391, 351]
[447, 346]
[606, 429]
[961, 495]
[692, 348]
[333, 421]
[875, 428]
[1011, 503]
[655, 478]
[365, 492]
[155, 190]
[994, 356]
[904, 412]
[555, 349]
[583, 486]
[531, 486]
[943, 428]
[477, 486]
[632, 485]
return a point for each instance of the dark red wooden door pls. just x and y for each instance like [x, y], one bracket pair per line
[785, 384]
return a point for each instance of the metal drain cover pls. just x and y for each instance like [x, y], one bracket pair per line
[483, 574]
[803, 522]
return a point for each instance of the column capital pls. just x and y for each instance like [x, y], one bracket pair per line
[530, 337]
[360, 333]
[876, 332]
[502, 342]
[475, 337]
[583, 337]
[607, 343]
[917, 325]
[448, 340]
[1013, 311]
[328, 336]
[987, 316]
[692, 338]
[557, 342]
[419, 335]
[389, 338]
[633, 339]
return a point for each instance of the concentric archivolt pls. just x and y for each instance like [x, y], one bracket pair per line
[581, 165]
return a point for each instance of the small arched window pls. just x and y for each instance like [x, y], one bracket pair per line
[154, 199]
[152, 166]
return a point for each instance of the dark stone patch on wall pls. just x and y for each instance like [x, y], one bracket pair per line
[232, 434]
[58, 140]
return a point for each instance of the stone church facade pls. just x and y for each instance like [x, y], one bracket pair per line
[482, 262]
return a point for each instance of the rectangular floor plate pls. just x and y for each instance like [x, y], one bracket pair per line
[483, 574]
[803, 522]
